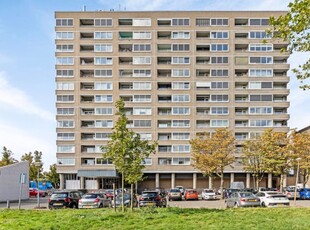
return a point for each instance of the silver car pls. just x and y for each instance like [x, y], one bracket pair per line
[94, 200]
[208, 194]
[242, 199]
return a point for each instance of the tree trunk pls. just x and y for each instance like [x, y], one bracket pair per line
[281, 182]
[131, 195]
[123, 207]
[222, 184]
[211, 183]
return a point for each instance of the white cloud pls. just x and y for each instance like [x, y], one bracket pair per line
[14, 98]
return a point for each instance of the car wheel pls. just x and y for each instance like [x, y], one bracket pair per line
[101, 205]
[74, 206]
[236, 205]
[227, 206]
[263, 204]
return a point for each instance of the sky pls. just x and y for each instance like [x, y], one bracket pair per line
[27, 65]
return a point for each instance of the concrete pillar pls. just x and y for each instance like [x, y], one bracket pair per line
[82, 182]
[210, 182]
[61, 181]
[269, 180]
[172, 180]
[98, 183]
[248, 179]
[157, 180]
[194, 180]
[284, 181]
[232, 178]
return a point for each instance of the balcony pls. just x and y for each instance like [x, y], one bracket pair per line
[86, 22]
[88, 124]
[163, 35]
[86, 35]
[202, 60]
[87, 86]
[162, 99]
[125, 35]
[86, 73]
[125, 22]
[164, 85]
[164, 111]
[203, 34]
[202, 48]
[87, 61]
[125, 60]
[125, 48]
[86, 111]
[164, 60]
[87, 99]
[164, 73]
[202, 73]
[164, 22]
[125, 73]
[86, 48]
[161, 48]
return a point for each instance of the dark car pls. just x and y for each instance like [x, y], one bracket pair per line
[152, 198]
[304, 193]
[230, 191]
[127, 200]
[64, 199]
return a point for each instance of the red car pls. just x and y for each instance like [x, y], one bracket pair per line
[34, 192]
[191, 194]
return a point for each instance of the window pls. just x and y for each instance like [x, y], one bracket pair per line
[103, 61]
[180, 98]
[64, 86]
[65, 98]
[103, 86]
[261, 47]
[219, 110]
[181, 161]
[255, 135]
[141, 73]
[180, 136]
[64, 73]
[219, 60]
[219, 72]
[180, 35]
[180, 111]
[103, 73]
[260, 85]
[65, 161]
[103, 161]
[103, 98]
[65, 136]
[103, 136]
[164, 161]
[219, 22]
[142, 123]
[219, 35]
[260, 123]
[146, 161]
[260, 110]
[104, 124]
[180, 85]
[141, 22]
[64, 35]
[145, 136]
[180, 123]
[219, 47]
[141, 60]
[142, 111]
[65, 111]
[142, 85]
[64, 22]
[103, 22]
[141, 35]
[65, 124]
[261, 73]
[64, 61]
[104, 111]
[259, 34]
[223, 98]
[219, 85]
[103, 48]
[103, 35]
[260, 97]
[261, 60]
[64, 48]
[219, 123]
[141, 47]
[142, 98]
[181, 148]
[203, 22]
[259, 21]
[180, 72]
[180, 22]
[180, 47]
[180, 60]
[65, 148]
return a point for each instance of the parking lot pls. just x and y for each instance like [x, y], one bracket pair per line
[32, 203]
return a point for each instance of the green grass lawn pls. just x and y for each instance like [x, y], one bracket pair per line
[158, 218]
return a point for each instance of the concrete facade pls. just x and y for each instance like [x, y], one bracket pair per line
[10, 181]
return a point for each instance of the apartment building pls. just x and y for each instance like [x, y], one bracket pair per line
[180, 73]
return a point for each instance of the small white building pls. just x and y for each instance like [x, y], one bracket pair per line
[10, 181]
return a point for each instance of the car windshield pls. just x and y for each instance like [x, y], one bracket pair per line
[126, 196]
[149, 194]
[90, 196]
[246, 194]
[208, 190]
[175, 190]
[59, 195]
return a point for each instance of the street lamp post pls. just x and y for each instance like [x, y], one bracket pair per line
[297, 174]
[38, 165]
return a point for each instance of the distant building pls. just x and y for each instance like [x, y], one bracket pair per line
[10, 181]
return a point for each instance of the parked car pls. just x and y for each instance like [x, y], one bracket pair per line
[191, 194]
[152, 198]
[304, 193]
[290, 193]
[242, 199]
[34, 192]
[208, 194]
[94, 200]
[174, 194]
[182, 189]
[109, 194]
[264, 189]
[271, 199]
[229, 191]
[127, 200]
[64, 199]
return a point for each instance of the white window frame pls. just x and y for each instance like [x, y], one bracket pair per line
[137, 22]
[180, 85]
[106, 37]
[179, 33]
[103, 48]
[103, 61]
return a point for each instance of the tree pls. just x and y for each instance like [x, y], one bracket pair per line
[253, 160]
[300, 146]
[277, 155]
[52, 176]
[294, 27]
[36, 156]
[126, 150]
[7, 157]
[212, 154]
